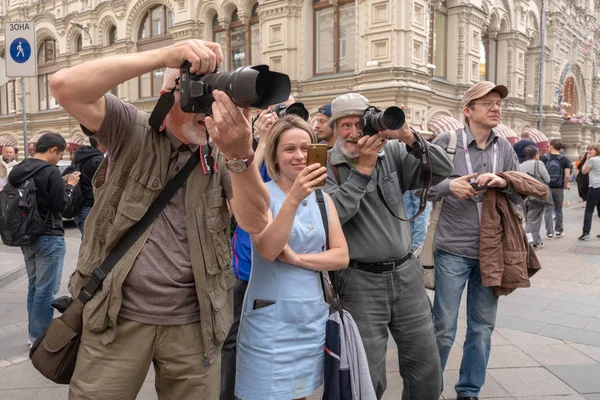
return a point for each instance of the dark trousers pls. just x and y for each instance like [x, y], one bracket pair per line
[228, 352]
[593, 200]
[395, 302]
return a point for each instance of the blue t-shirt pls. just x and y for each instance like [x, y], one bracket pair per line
[242, 245]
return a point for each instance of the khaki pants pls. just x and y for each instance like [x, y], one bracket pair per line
[117, 371]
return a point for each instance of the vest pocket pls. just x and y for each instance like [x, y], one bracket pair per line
[217, 223]
[222, 313]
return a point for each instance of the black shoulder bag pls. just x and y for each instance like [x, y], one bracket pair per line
[54, 353]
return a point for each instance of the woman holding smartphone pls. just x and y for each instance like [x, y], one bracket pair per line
[592, 168]
[282, 331]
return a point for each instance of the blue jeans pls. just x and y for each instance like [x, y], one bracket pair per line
[418, 227]
[44, 263]
[81, 217]
[451, 274]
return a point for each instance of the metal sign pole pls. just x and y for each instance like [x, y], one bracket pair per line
[24, 109]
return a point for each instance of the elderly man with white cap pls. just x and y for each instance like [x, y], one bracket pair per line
[480, 154]
[383, 286]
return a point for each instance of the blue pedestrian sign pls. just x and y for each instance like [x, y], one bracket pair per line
[20, 50]
[20, 58]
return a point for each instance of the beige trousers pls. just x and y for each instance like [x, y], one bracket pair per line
[117, 371]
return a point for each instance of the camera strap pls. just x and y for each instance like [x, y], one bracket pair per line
[421, 151]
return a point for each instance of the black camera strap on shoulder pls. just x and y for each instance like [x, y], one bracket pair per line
[421, 151]
[136, 231]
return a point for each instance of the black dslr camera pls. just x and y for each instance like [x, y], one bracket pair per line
[251, 86]
[281, 110]
[375, 120]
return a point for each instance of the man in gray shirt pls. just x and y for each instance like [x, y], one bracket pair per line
[383, 288]
[480, 154]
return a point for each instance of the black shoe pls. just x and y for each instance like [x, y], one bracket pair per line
[584, 236]
[467, 398]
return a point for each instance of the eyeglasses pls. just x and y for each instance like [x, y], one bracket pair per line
[490, 104]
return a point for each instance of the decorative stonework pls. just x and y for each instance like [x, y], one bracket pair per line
[137, 10]
[103, 28]
[461, 52]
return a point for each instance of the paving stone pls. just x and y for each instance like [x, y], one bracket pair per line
[590, 351]
[148, 392]
[391, 361]
[20, 394]
[492, 387]
[595, 396]
[563, 319]
[593, 326]
[510, 357]
[573, 308]
[575, 335]
[583, 378]
[54, 393]
[525, 299]
[21, 376]
[581, 299]
[557, 354]
[394, 387]
[568, 397]
[516, 310]
[521, 324]
[520, 339]
[454, 358]
[530, 382]
[498, 339]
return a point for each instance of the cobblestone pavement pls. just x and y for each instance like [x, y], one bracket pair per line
[546, 344]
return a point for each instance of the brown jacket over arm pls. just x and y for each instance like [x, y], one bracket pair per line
[507, 259]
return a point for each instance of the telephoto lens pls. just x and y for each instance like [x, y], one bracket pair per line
[375, 120]
[248, 87]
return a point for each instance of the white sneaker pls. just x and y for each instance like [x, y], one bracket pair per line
[558, 234]
[29, 343]
[550, 236]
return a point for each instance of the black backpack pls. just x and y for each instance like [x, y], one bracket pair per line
[20, 220]
[77, 199]
[556, 172]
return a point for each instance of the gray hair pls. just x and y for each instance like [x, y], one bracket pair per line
[169, 77]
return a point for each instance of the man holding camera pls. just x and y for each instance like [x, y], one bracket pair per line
[480, 154]
[168, 300]
[383, 286]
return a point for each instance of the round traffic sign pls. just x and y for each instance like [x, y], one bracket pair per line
[20, 50]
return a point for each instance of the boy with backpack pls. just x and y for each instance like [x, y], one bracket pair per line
[30, 207]
[558, 167]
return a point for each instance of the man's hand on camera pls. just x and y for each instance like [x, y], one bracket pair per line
[73, 178]
[204, 56]
[461, 187]
[265, 121]
[229, 127]
[403, 134]
[368, 147]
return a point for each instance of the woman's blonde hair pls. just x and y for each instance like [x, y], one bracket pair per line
[272, 140]
[596, 147]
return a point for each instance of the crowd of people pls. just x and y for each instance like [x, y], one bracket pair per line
[244, 316]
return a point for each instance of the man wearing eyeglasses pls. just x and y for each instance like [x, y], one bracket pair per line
[480, 154]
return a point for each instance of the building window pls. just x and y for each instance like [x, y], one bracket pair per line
[78, 43]
[334, 37]
[47, 53]
[112, 35]
[239, 48]
[438, 29]
[8, 98]
[156, 22]
[151, 83]
[571, 104]
[489, 56]
[45, 99]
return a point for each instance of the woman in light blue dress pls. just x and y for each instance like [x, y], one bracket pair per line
[280, 350]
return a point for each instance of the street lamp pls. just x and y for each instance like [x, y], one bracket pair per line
[80, 26]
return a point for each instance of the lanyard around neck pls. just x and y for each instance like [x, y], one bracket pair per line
[470, 166]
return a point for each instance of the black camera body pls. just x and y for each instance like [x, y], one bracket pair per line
[375, 120]
[281, 110]
[251, 86]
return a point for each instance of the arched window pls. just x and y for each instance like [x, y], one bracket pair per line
[570, 96]
[46, 67]
[154, 33]
[78, 43]
[112, 35]
[241, 42]
[438, 30]
[156, 22]
[334, 36]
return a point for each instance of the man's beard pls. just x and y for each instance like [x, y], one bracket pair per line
[194, 134]
[341, 144]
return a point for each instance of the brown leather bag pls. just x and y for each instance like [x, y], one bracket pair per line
[55, 352]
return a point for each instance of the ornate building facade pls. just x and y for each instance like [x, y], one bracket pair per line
[420, 53]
